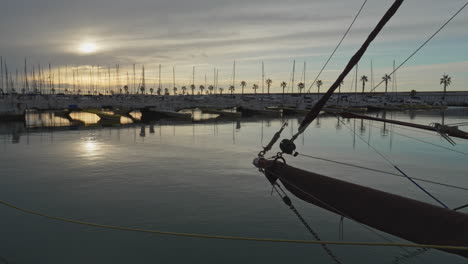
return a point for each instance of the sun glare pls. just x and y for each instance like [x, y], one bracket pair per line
[88, 47]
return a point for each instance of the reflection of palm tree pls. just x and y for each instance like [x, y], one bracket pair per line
[386, 78]
[268, 83]
[243, 84]
[300, 87]
[255, 87]
[446, 80]
[283, 85]
[363, 80]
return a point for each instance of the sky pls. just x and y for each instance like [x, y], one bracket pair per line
[212, 34]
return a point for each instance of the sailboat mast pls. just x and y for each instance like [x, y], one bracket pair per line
[159, 85]
[134, 79]
[173, 77]
[234, 75]
[1, 74]
[292, 82]
[263, 77]
[26, 83]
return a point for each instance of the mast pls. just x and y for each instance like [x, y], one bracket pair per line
[173, 77]
[294, 69]
[234, 75]
[159, 86]
[143, 79]
[26, 83]
[193, 75]
[1, 74]
[372, 75]
[214, 80]
[108, 80]
[304, 82]
[356, 83]
[134, 78]
[50, 79]
[58, 84]
[263, 77]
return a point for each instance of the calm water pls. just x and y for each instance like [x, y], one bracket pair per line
[199, 178]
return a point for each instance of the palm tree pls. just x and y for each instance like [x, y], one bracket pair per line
[192, 87]
[126, 89]
[386, 78]
[231, 89]
[184, 89]
[243, 84]
[413, 93]
[210, 88]
[202, 88]
[255, 87]
[446, 80]
[158, 91]
[142, 89]
[300, 86]
[319, 83]
[175, 90]
[1, 91]
[166, 91]
[283, 85]
[268, 83]
[221, 89]
[151, 90]
[51, 90]
[363, 80]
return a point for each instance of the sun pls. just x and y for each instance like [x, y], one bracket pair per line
[88, 47]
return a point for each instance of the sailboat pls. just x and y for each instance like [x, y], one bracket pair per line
[412, 220]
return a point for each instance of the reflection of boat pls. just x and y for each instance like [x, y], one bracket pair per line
[221, 112]
[253, 112]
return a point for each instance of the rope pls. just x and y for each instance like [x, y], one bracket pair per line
[337, 46]
[383, 172]
[460, 207]
[315, 111]
[254, 239]
[420, 47]
[288, 202]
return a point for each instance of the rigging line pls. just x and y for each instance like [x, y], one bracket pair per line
[422, 45]
[394, 165]
[427, 142]
[338, 211]
[383, 172]
[252, 239]
[288, 202]
[315, 111]
[460, 207]
[337, 46]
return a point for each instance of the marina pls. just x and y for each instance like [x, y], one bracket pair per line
[209, 141]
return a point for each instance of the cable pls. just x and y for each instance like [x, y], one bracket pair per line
[253, 239]
[337, 46]
[383, 172]
[420, 47]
